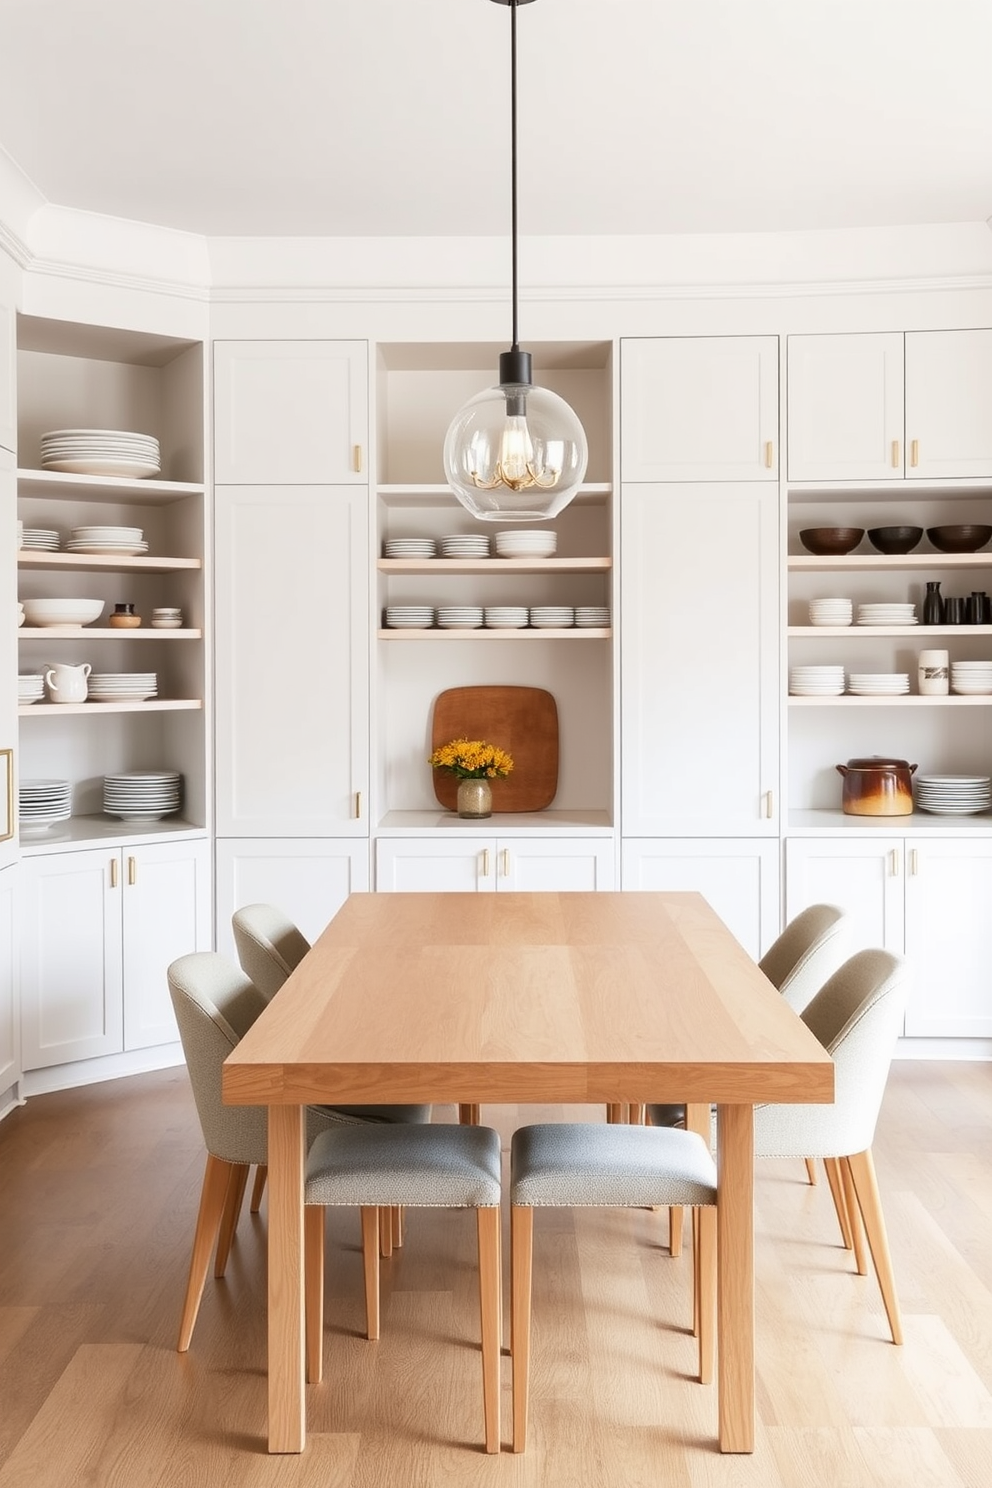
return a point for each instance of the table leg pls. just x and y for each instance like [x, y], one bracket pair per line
[287, 1403]
[735, 1276]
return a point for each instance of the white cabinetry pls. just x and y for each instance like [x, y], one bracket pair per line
[8, 662]
[699, 408]
[739, 878]
[307, 878]
[8, 357]
[100, 927]
[10, 1023]
[453, 863]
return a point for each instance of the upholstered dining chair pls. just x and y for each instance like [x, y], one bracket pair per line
[565, 1165]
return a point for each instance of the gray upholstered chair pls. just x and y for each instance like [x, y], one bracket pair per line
[381, 1168]
[563, 1165]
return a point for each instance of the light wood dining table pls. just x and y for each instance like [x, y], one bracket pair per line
[571, 998]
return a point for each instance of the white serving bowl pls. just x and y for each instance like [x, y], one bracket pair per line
[62, 611]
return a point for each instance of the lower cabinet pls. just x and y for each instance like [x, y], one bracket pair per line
[480, 864]
[98, 930]
[927, 897]
[739, 877]
[10, 1041]
[308, 878]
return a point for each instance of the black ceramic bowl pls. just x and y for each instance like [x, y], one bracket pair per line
[828, 541]
[968, 537]
[894, 539]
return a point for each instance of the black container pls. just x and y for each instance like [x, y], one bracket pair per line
[978, 608]
[954, 610]
[933, 604]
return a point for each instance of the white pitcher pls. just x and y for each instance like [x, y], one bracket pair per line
[67, 684]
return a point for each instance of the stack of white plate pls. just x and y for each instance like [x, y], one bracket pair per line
[101, 452]
[122, 687]
[20, 614]
[40, 539]
[552, 617]
[887, 614]
[878, 684]
[459, 617]
[124, 541]
[409, 547]
[409, 617]
[42, 803]
[831, 611]
[30, 687]
[167, 617]
[142, 795]
[593, 616]
[465, 545]
[971, 678]
[816, 681]
[954, 795]
[505, 617]
[526, 544]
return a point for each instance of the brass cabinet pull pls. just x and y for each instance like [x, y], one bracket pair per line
[894, 863]
[485, 862]
[914, 452]
[132, 870]
[769, 804]
[769, 454]
[895, 454]
[504, 859]
[358, 459]
[358, 803]
[7, 755]
[914, 861]
[113, 873]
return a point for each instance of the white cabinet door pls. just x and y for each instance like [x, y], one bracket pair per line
[844, 407]
[167, 905]
[699, 408]
[8, 370]
[70, 927]
[739, 879]
[290, 411]
[555, 865]
[10, 1025]
[292, 661]
[309, 880]
[449, 865]
[862, 875]
[8, 656]
[700, 660]
[948, 427]
[949, 937]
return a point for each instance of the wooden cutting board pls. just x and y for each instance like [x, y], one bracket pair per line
[521, 720]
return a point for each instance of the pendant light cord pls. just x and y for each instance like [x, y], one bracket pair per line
[513, 163]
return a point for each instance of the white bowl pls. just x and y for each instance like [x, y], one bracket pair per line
[62, 611]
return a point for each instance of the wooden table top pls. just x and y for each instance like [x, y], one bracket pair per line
[536, 997]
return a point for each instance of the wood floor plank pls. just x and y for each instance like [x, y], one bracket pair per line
[896, 1457]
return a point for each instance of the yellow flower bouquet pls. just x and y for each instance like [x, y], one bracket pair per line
[472, 759]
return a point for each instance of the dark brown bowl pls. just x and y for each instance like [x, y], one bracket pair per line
[894, 539]
[827, 541]
[967, 537]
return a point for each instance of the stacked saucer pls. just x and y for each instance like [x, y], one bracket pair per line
[954, 795]
[20, 614]
[122, 687]
[409, 547]
[552, 617]
[593, 617]
[465, 545]
[43, 803]
[878, 684]
[123, 541]
[101, 452]
[971, 678]
[505, 617]
[409, 617]
[142, 795]
[30, 688]
[831, 611]
[460, 617]
[887, 614]
[167, 617]
[816, 681]
[526, 544]
[40, 540]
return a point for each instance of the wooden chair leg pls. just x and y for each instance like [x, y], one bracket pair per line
[811, 1173]
[854, 1218]
[213, 1196]
[521, 1263]
[861, 1166]
[313, 1289]
[675, 1223]
[258, 1187]
[705, 1288]
[229, 1223]
[386, 1231]
[370, 1260]
[491, 1310]
[695, 1273]
[616, 1113]
[637, 1113]
[468, 1114]
[396, 1222]
[831, 1167]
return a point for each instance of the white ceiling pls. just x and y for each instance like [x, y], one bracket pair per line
[388, 117]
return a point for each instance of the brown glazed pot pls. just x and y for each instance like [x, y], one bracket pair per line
[877, 786]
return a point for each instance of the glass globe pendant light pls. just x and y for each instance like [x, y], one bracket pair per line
[515, 452]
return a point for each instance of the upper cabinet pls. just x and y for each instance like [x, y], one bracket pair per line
[699, 408]
[890, 406]
[8, 375]
[291, 412]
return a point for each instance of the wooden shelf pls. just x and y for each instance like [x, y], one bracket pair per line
[152, 705]
[480, 633]
[493, 565]
[958, 631]
[898, 489]
[111, 488]
[901, 700]
[885, 562]
[103, 562]
[104, 632]
[430, 493]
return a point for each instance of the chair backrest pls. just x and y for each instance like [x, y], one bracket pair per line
[269, 946]
[857, 1017]
[810, 949]
[215, 1005]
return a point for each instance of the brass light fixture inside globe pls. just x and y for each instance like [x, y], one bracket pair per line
[515, 452]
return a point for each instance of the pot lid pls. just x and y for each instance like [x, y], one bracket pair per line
[879, 762]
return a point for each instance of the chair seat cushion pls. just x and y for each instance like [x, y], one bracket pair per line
[449, 1167]
[574, 1166]
[420, 1114]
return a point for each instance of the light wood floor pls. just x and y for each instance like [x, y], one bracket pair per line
[99, 1194]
